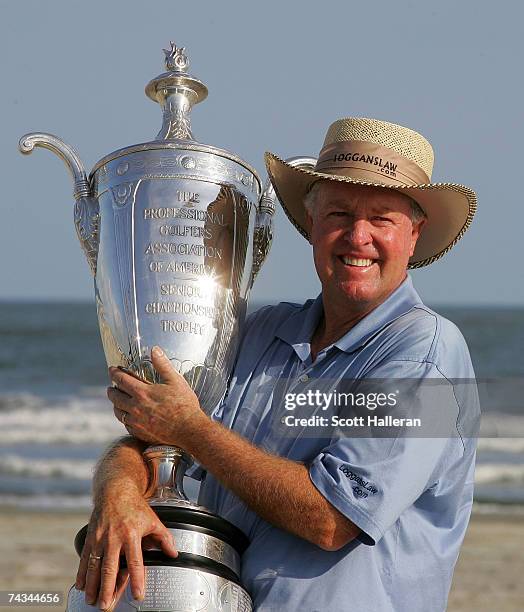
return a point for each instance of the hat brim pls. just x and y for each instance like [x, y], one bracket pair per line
[449, 207]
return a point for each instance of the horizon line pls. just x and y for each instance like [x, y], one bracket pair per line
[436, 305]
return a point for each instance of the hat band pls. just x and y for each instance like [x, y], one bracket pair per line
[371, 158]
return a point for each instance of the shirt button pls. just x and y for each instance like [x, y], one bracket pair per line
[304, 378]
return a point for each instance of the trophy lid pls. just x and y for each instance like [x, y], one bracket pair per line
[177, 92]
[176, 78]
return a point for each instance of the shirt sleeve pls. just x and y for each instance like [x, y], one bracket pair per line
[372, 480]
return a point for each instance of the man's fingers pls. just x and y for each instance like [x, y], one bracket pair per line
[165, 540]
[121, 584]
[94, 563]
[135, 567]
[163, 366]
[108, 575]
[82, 566]
[168, 545]
[122, 416]
[121, 400]
[125, 382]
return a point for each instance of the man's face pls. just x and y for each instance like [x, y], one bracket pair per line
[362, 240]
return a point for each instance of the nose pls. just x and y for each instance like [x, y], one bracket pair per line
[358, 232]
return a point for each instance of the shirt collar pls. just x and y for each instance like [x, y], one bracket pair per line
[298, 329]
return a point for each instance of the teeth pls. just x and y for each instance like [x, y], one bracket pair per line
[349, 261]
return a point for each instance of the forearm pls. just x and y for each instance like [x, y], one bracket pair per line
[277, 489]
[121, 467]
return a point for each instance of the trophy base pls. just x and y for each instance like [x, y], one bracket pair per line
[204, 577]
[178, 590]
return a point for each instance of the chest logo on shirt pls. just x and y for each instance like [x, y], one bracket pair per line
[362, 487]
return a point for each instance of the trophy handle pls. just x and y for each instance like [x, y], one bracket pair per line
[263, 236]
[86, 213]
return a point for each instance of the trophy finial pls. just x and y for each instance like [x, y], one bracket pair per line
[176, 91]
[176, 58]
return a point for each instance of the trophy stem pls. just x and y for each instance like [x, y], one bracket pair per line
[167, 465]
[176, 121]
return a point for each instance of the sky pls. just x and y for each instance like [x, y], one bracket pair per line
[278, 74]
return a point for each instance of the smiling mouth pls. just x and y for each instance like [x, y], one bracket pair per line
[358, 263]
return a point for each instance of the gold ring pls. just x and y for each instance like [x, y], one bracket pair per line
[92, 562]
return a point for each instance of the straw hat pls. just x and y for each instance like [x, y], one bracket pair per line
[381, 154]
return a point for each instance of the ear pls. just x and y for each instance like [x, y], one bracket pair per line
[308, 225]
[416, 230]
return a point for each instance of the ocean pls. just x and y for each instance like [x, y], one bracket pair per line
[55, 419]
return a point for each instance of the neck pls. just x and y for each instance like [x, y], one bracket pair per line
[338, 319]
[331, 328]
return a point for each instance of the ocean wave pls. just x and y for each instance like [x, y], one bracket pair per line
[501, 425]
[499, 473]
[510, 474]
[83, 503]
[503, 445]
[87, 418]
[17, 401]
[498, 508]
[66, 420]
[47, 502]
[14, 465]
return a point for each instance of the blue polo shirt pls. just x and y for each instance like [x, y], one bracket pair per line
[410, 495]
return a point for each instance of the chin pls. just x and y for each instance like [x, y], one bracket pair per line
[358, 293]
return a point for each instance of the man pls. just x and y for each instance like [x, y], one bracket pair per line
[345, 523]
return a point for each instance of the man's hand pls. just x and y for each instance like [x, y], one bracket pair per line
[156, 414]
[122, 525]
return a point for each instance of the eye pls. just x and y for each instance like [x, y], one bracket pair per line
[379, 219]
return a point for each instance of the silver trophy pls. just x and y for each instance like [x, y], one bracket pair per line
[174, 233]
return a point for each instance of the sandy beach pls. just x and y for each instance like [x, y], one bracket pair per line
[38, 554]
